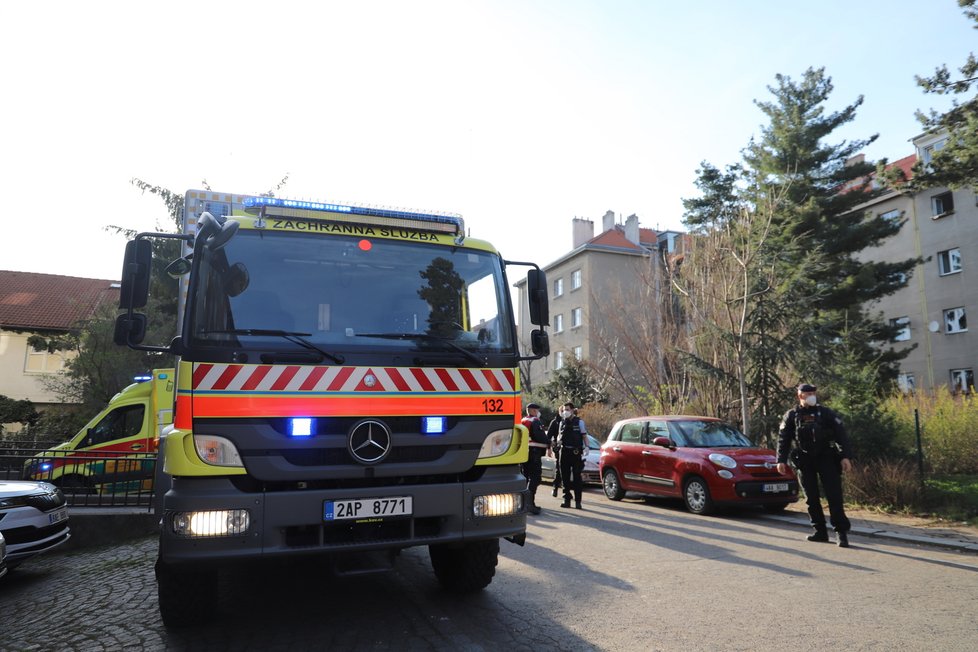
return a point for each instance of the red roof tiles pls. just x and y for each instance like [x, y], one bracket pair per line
[49, 302]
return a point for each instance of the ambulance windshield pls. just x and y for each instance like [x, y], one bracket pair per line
[348, 292]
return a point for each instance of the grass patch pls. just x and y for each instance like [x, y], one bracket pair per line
[953, 497]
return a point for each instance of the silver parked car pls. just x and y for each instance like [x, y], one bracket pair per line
[591, 475]
[3, 555]
[33, 518]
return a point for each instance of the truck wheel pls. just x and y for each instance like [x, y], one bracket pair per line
[186, 597]
[465, 568]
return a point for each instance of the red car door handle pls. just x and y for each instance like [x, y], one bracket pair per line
[647, 453]
[617, 449]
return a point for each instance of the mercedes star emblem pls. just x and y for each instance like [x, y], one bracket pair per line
[370, 441]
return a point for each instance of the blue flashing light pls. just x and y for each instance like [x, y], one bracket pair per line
[162, 376]
[300, 427]
[255, 202]
[142, 379]
[434, 425]
[46, 466]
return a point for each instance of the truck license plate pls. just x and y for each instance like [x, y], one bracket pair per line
[338, 510]
[775, 488]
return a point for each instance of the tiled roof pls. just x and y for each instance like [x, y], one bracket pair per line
[613, 238]
[48, 301]
[905, 164]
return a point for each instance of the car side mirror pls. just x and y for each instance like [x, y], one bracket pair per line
[665, 442]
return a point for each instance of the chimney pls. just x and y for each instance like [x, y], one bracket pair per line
[631, 228]
[608, 221]
[855, 160]
[583, 231]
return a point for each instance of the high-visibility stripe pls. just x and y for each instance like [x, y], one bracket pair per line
[264, 378]
[407, 404]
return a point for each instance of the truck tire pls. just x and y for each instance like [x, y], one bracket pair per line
[466, 568]
[186, 597]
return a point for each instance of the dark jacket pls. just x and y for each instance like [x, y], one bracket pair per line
[811, 431]
[571, 435]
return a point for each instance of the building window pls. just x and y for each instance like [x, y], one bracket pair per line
[558, 323]
[559, 360]
[930, 150]
[42, 362]
[903, 324]
[558, 287]
[949, 262]
[962, 380]
[892, 216]
[575, 279]
[576, 314]
[906, 383]
[955, 320]
[942, 204]
[579, 352]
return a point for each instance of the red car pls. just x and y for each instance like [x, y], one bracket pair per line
[702, 460]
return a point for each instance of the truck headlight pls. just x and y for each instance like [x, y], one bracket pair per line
[217, 523]
[496, 443]
[497, 505]
[217, 451]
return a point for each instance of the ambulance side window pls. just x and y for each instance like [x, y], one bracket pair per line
[125, 421]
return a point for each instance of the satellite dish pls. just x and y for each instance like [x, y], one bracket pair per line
[933, 327]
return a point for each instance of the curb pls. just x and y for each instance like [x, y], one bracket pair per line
[952, 544]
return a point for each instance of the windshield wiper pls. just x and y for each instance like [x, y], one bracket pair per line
[295, 338]
[425, 337]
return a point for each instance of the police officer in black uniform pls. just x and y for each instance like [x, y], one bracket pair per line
[816, 441]
[539, 443]
[573, 447]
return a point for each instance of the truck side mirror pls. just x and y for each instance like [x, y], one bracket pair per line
[135, 274]
[536, 292]
[130, 328]
[540, 343]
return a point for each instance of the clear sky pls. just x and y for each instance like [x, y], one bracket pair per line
[518, 114]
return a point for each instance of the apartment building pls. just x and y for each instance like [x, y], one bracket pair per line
[942, 228]
[589, 288]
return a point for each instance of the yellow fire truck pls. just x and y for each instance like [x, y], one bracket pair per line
[347, 385]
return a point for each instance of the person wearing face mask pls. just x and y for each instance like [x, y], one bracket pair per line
[573, 447]
[814, 438]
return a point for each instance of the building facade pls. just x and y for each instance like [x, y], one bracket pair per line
[47, 305]
[941, 227]
[593, 291]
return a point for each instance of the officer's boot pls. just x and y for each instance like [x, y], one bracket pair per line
[820, 534]
[532, 507]
[843, 539]
[556, 488]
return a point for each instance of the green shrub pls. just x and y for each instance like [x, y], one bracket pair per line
[949, 429]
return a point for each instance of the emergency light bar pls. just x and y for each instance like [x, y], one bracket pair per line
[381, 216]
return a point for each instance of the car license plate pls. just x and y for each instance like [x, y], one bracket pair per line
[775, 488]
[339, 510]
[58, 516]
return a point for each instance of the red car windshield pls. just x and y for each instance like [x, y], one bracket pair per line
[706, 434]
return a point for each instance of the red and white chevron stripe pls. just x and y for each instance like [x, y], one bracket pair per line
[295, 378]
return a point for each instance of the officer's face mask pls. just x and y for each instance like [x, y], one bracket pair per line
[566, 414]
[811, 400]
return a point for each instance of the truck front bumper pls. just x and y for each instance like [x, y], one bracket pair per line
[284, 523]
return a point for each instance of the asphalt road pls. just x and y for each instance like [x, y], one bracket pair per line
[630, 575]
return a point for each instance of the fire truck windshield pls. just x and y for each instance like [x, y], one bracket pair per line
[343, 293]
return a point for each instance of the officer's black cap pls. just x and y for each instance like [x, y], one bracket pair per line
[533, 406]
[806, 387]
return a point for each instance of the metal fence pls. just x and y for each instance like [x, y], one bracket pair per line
[87, 478]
